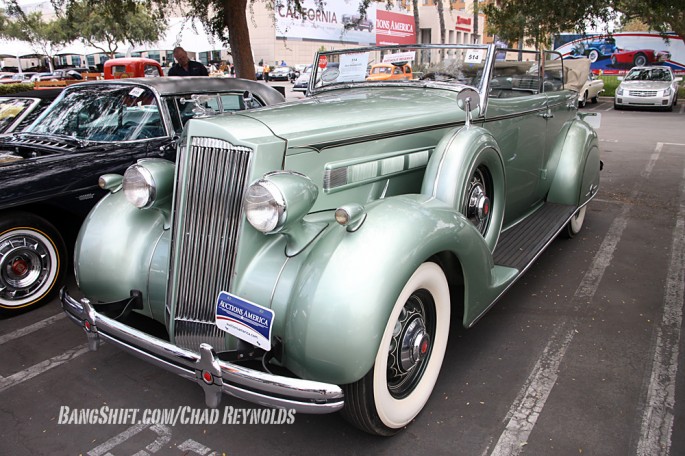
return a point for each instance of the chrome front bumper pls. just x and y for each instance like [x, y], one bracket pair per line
[205, 368]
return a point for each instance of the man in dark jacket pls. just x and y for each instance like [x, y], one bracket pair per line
[186, 67]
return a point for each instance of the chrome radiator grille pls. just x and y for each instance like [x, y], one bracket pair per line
[643, 93]
[207, 217]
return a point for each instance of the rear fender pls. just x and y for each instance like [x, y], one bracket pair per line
[576, 178]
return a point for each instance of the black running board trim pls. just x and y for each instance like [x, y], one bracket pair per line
[520, 245]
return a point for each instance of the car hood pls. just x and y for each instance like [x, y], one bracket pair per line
[345, 114]
[646, 85]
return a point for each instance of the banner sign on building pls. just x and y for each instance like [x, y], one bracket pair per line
[326, 23]
[394, 28]
[617, 53]
[464, 24]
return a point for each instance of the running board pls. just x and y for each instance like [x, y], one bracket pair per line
[520, 245]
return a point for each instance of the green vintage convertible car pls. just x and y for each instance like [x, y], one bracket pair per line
[309, 255]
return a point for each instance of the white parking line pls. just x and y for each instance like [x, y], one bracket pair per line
[104, 448]
[31, 328]
[657, 417]
[41, 367]
[611, 106]
[530, 401]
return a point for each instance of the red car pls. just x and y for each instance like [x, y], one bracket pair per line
[639, 57]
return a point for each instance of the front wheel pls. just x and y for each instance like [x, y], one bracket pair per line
[409, 357]
[32, 261]
[640, 60]
[593, 56]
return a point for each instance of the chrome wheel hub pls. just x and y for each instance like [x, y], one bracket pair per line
[410, 346]
[414, 344]
[24, 266]
[477, 203]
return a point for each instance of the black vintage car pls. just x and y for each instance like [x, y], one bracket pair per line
[49, 172]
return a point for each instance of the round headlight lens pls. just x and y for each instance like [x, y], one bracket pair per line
[139, 186]
[264, 206]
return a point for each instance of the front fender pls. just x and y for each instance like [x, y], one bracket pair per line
[340, 296]
[120, 248]
[576, 178]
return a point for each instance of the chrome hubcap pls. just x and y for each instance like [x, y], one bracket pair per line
[24, 266]
[410, 346]
[478, 205]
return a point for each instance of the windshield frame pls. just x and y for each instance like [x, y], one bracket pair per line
[649, 70]
[164, 121]
[487, 64]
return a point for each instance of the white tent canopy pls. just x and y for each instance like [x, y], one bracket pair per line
[191, 35]
[17, 49]
[78, 48]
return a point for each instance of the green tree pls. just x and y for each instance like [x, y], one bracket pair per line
[415, 8]
[659, 15]
[225, 19]
[539, 20]
[99, 25]
[45, 37]
[441, 19]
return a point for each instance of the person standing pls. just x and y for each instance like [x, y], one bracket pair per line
[186, 67]
[265, 72]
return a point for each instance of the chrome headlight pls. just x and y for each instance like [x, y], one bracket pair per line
[619, 91]
[667, 92]
[139, 186]
[264, 206]
[277, 202]
[149, 183]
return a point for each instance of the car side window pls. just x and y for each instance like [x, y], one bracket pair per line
[518, 75]
[172, 105]
[553, 80]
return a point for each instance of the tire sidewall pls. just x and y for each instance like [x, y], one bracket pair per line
[54, 245]
[576, 222]
[396, 413]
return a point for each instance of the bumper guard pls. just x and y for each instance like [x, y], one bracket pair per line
[216, 376]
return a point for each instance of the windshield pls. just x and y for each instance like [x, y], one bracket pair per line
[103, 113]
[651, 74]
[448, 65]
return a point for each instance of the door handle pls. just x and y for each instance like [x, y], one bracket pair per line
[546, 115]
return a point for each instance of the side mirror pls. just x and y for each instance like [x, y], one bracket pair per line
[468, 101]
